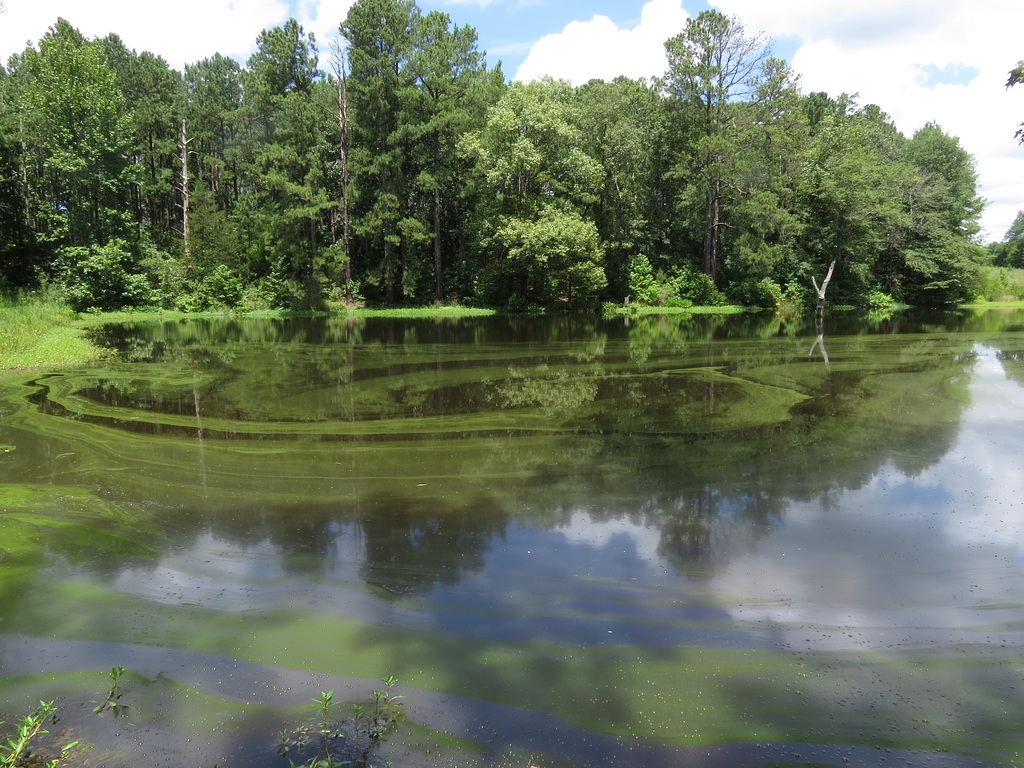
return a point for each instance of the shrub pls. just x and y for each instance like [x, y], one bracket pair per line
[697, 287]
[764, 293]
[166, 275]
[516, 303]
[643, 288]
[1000, 284]
[222, 287]
[879, 300]
[103, 277]
[260, 295]
[684, 287]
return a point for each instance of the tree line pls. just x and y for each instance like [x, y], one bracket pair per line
[397, 167]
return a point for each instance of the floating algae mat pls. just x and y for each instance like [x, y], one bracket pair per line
[573, 541]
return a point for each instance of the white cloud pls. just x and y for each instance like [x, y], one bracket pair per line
[890, 52]
[182, 32]
[882, 49]
[229, 27]
[598, 48]
[322, 18]
[583, 530]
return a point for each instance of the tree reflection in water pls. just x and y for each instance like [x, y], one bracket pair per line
[526, 483]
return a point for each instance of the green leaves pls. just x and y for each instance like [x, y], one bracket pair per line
[1016, 77]
[227, 180]
[16, 751]
[529, 157]
[77, 133]
[717, 76]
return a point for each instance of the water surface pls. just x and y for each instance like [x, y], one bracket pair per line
[574, 541]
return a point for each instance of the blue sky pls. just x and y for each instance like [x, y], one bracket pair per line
[508, 30]
[943, 61]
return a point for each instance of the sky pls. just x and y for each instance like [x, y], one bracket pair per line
[942, 61]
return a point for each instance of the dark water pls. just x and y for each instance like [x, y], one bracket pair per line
[574, 541]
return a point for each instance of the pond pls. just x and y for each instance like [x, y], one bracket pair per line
[574, 541]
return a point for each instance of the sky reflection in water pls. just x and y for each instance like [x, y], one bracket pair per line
[468, 504]
[934, 557]
[905, 560]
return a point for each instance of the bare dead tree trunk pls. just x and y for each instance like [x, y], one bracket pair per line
[819, 341]
[183, 147]
[820, 329]
[824, 287]
[341, 72]
[27, 209]
[437, 219]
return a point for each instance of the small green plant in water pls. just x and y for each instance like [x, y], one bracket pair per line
[15, 752]
[323, 731]
[114, 694]
[386, 709]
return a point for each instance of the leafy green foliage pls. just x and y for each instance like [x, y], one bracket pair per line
[1016, 77]
[554, 257]
[764, 293]
[223, 185]
[103, 277]
[16, 750]
[623, 128]
[534, 237]
[324, 737]
[716, 75]
[1010, 252]
[684, 286]
[113, 698]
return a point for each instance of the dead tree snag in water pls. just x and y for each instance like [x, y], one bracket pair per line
[820, 329]
[824, 287]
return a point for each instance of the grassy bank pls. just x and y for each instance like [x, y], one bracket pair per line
[639, 310]
[37, 331]
[40, 331]
[405, 312]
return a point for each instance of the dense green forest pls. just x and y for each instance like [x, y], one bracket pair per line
[396, 167]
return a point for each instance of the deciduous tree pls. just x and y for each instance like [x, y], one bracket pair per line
[534, 238]
[78, 133]
[714, 66]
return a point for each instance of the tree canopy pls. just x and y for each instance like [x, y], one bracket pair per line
[409, 171]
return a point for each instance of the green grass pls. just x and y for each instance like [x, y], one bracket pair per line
[38, 332]
[635, 310]
[404, 312]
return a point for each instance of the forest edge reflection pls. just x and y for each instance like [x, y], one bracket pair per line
[650, 462]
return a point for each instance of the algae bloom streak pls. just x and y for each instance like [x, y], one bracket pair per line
[575, 541]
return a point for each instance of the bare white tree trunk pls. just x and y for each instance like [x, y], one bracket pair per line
[824, 287]
[183, 147]
[341, 72]
[819, 341]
